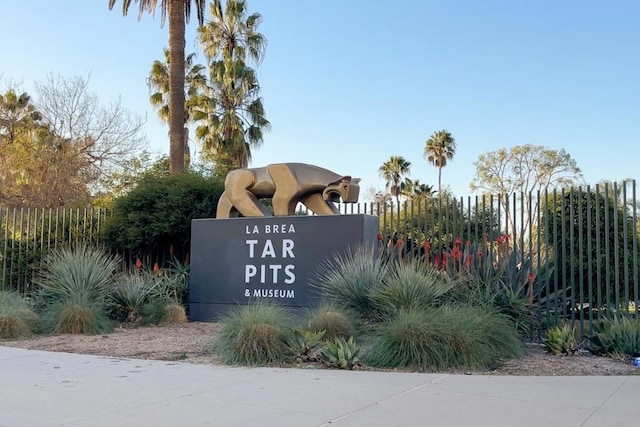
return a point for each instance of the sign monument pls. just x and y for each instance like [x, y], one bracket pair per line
[237, 260]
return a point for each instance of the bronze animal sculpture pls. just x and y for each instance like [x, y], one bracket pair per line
[287, 184]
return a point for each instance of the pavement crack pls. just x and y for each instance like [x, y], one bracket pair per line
[377, 402]
[604, 403]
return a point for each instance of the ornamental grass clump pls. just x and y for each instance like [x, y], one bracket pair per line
[348, 279]
[333, 320]
[410, 284]
[17, 318]
[75, 286]
[254, 334]
[133, 289]
[445, 337]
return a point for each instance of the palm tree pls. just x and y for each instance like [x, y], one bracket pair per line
[16, 111]
[414, 188]
[232, 113]
[393, 171]
[232, 33]
[159, 84]
[179, 12]
[440, 148]
[232, 118]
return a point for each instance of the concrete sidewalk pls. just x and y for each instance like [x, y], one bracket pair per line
[59, 389]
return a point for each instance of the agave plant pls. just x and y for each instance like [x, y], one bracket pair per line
[341, 353]
[561, 339]
[619, 334]
[305, 344]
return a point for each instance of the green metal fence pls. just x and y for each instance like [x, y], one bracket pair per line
[26, 234]
[572, 254]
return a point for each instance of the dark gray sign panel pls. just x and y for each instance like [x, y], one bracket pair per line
[235, 261]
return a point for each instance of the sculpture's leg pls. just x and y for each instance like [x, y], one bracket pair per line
[224, 206]
[320, 206]
[237, 185]
[287, 188]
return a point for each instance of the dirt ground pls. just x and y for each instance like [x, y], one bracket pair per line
[192, 343]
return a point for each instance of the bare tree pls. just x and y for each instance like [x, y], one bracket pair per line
[105, 135]
[523, 171]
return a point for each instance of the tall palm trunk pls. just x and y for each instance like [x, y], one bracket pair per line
[439, 180]
[176, 85]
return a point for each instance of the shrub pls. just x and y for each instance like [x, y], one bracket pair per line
[335, 321]
[619, 334]
[410, 284]
[17, 319]
[561, 339]
[446, 337]
[349, 279]
[157, 213]
[254, 334]
[75, 283]
[341, 353]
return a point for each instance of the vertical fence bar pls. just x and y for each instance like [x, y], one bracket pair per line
[564, 253]
[625, 243]
[491, 237]
[570, 259]
[580, 262]
[635, 250]
[27, 251]
[5, 281]
[616, 249]
[556, 273]
[588, 259]
[607, 250]
[20, 235]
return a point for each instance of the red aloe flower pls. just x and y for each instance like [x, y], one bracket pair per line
[156, 267]
[458, 241]
[427, 247]
[400, 242]
[531, 278]
[468, 260]
[457, 253]
[138, 263]
[437, 261]
[479, 254]
[379, 236]
[445, 258]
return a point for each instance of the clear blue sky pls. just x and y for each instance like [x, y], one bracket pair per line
[348, 83]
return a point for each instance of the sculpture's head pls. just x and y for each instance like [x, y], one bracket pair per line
[346, 188]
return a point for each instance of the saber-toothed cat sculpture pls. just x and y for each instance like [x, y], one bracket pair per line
[287, 184]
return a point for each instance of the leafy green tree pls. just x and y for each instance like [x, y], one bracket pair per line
[231, 114]
[393, 171]
[522, 171]
[439, 149]
[591, 235]
[179, 12]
